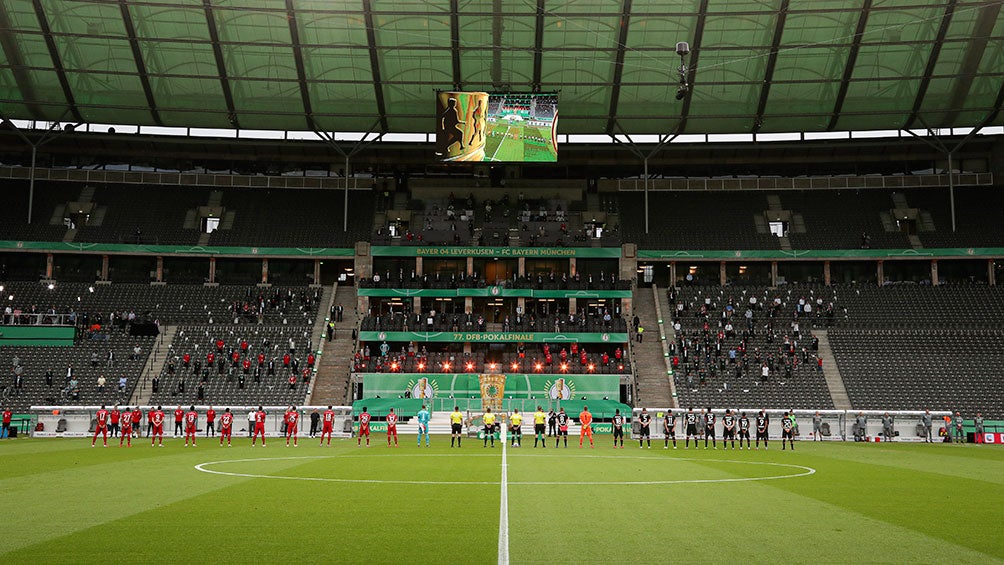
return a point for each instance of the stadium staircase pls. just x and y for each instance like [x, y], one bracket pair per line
[155, 363]
[832, 373]
[331, 384]
[667, 335]
[648, 359]
[318, 332]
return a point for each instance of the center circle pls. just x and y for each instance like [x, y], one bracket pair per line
[792, 471]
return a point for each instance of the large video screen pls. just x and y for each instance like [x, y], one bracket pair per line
[507, 127]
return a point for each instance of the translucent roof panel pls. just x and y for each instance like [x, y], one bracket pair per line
[754, 65]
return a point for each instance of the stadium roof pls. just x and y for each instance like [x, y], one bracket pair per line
[344, 65]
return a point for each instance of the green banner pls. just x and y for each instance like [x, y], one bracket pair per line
[128, 249]
[444, 251]
[49, 336]
[491, 291]
[495, 337]
[823, 254]
[466, 385]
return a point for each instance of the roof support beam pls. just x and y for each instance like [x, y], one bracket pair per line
[458, 80]
[137, 55]
[12, 52]
[375, 63]
[695, 54]
[498, 26]
[622, 36]
[932, 61]
[975, 50]
[301, 73]
[852, 57]
[538, 47]
[768, 76]
[221, 67]
[57, 63]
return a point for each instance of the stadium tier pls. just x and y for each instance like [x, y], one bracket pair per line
[216, 364]
[749, 347]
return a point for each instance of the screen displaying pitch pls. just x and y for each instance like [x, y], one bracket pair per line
[501, 127]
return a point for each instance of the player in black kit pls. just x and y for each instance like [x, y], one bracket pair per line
[709, 429]
[728, 430]
[762, 421]
[618, 423]
[645, 429]
[669, 427]
[691, 419]
[562, 428]
[788, 430]
[744, 431]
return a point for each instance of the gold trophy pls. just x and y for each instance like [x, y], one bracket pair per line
[492, 391]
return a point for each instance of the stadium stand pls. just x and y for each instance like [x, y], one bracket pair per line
[859, 214]
[600, 359]
[171, 304]
[890, 369]
[293, 218]
[142, 214]
[88, 359]
[977, 217]
[725, 339]
[241, 379]
[698, 220]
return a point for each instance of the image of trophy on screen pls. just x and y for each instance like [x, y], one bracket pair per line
[460, 125]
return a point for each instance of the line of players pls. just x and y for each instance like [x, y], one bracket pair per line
[734, 424]
[126, 424]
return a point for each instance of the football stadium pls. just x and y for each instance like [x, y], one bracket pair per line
[330, 281]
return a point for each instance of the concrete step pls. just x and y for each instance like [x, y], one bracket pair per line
[832, 373]
[69, 236]
[797, 224]
[653, 384]
[899, 200]
[98, 217]
[86, 195]
[760, 223]
[215, 199]
[915, 241]
[785, 243]
[154, 365]
[925, 222]
[331, 382]
[774, 202]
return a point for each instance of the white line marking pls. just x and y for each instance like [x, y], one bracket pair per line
[504, 505]
[504, 508]
[499, 146]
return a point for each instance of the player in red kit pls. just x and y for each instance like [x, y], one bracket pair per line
[179, 417]
[327, 423]
[292, 419]
[101, 427]
[210, 421]
[157, 419]
[191, 425]
[137, 419]
[226, 426]
[7, 415]
[364, 428]
[126, 433]
[115, 417]
[391, 427]
[259, 426]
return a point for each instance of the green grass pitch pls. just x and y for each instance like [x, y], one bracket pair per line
[500, 145]
[63, 501]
